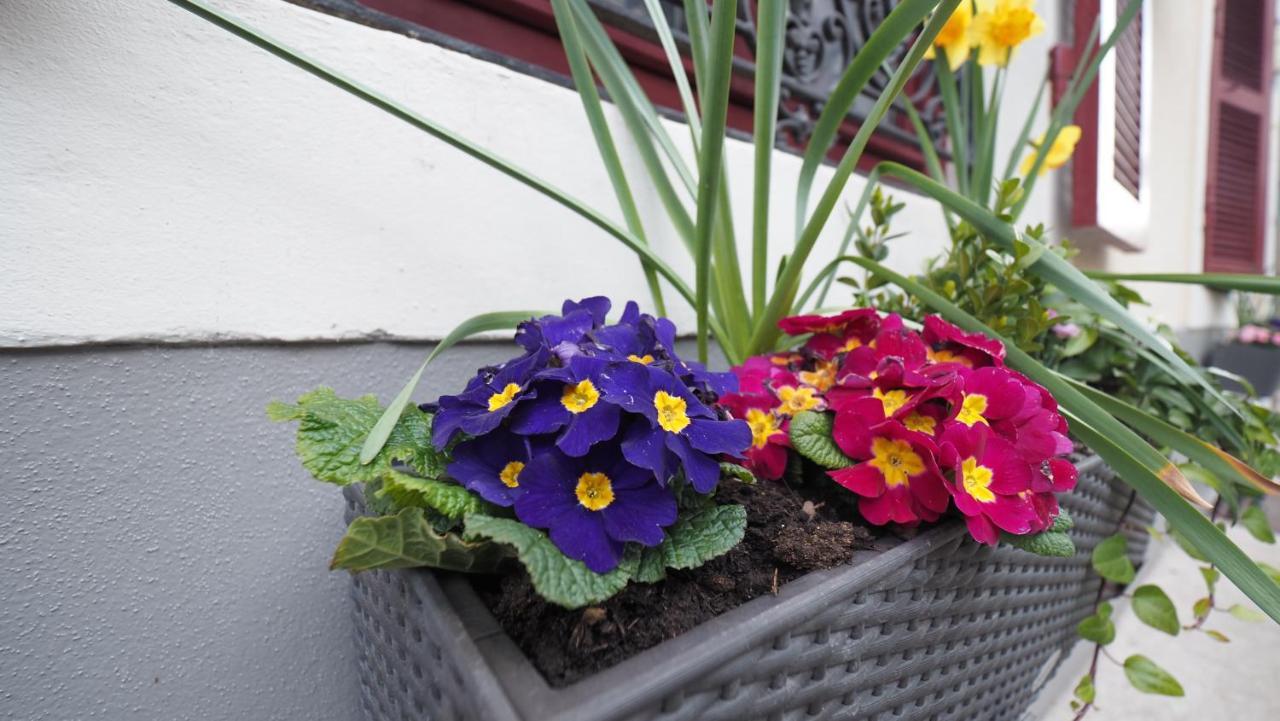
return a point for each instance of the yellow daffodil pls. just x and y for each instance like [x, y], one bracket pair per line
[1059, 153]
[1002, 25]
[954, 37]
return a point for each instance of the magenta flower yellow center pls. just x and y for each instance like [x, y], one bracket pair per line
[946, 356]
[822, 377]
[976, 480]
[920, 422]
[502, 398]
[975, 404]
[795, 400]
[510, 474]
[892, 401]
[643, 360]
[671, 409]
[594, 491]
[580, 397]
[895, 460]
[763, 425]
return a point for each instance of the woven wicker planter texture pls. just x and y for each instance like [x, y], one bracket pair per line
[937, 627]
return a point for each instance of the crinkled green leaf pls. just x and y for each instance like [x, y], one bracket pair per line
[811, 437]
[1147, 677]
[556, 577]
[1085, 690]
[1255, 521]
[1053, 544]
[331, 431]
[650, 568]
[1111, 560]
[1099, 627]
[738, 473]
[1153, 607]
[447, 498]
[407, 540]
[1245, 613]
[702, 536]
[1064, 522]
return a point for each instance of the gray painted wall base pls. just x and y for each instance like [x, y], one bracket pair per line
[162, 553]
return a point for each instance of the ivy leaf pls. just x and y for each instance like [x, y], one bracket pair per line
[331, 431]
[1047, 543]
[1085, 690]
[1255, 521]
[735, 472]
[1201, 608]
[1211, 576]
[1218, 636]
[1147, 677]
[1270, 570]
[1187, 546]
[1099, 627]
[556, 577]
[1111, 560]
[1153, 607]
[407, 540]
[811, 437]
[1245, 613]
[448, 499]
[702, 536]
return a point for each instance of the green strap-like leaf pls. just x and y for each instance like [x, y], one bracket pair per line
[1122, 449]
[467, 328]
[1245, 282]
[770, 42]
[406, 540]
[556, 577]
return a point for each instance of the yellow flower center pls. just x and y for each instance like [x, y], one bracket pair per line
[594, 491]
[920, 422]
[580, 397]
[971, 410]
[1010, 25]
[643, 360]
[501, 399]
[852, 343]
[957, 28]
[947, 356]
[671, 409]
[763, 425]
[821, 377]
[510, 474]
[795, 400]
[895, 460]
[892, 401]
[976, 480]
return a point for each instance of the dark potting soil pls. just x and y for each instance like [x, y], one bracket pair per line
[788, 534]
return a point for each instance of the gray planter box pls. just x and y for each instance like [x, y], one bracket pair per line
[937, 627]
[1259, 364]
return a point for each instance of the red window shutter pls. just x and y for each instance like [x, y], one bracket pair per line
[1127, 160]
[1236, 190]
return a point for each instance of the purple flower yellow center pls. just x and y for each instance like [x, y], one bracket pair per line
[643, 360]
[763, 425]
[892, 401]
[594, 491]
[822, 377]
[580, 397]
[671, 411]
[510, 474]
[975, 404]
[503, 397]
[920, 422]
[976, 480]
[895, 460]
[795, 400]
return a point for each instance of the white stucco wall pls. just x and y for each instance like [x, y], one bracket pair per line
[161, 179]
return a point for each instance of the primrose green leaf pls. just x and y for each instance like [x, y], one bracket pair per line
[1099, 627]
[1245, 613]
[1085, 690]
[556, 577]
[1153, 607]
[331, 431]
[406, 540]
[1255, 521]
[1147, 677]
[702, 536]
[1111, 560]
[650, 568]
[735, 472]
[1054, 544]
[449, 499]
[1064, 522]
[811, 437]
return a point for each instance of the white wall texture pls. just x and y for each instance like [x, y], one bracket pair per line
[161, 179]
